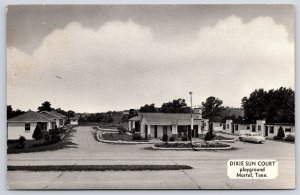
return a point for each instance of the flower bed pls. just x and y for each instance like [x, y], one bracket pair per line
[189, 145]
[116, 137]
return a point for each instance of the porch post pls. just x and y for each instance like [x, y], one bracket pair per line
[149, 131]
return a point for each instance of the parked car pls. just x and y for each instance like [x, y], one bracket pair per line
[252, 137]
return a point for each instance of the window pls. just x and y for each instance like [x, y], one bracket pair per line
[27, 126]
[288, 130]
[224, 126]
[236, 127]
[248, 127]
[258, 127]
[272, 129]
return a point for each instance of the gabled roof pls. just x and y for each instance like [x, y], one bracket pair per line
[57, 114]
[136, 118]
[30, 116]
[49, 115]
[167, 118]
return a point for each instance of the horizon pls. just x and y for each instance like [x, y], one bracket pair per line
[91, 58]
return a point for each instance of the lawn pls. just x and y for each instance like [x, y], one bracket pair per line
[98, 168]
[189, 145]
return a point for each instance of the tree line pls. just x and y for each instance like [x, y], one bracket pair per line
[276, 106]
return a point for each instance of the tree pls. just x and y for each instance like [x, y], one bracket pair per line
[274, 105]
[46, 106]
[148, 108]
[280, 133]
[37, 134]
[211, 109]
[12, 113]
[176, 106]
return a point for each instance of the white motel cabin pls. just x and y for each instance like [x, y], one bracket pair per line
[268, 130]
[74, 120]
[25, 124]
[153, 125]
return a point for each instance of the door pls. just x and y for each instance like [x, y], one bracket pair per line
[266, 131]
[253, 128]
[232, 128]
[146, 132]
[196, 130]
[155, 131]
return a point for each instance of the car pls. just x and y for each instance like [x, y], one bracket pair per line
[252, 137]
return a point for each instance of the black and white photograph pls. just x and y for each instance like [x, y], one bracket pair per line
[152, 96]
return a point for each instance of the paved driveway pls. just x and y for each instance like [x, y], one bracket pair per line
[209, 167]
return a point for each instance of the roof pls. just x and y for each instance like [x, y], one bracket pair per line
[57, 114]
[75, 117]
[167, 118]
[30, 116]
[283, 124]
[49, 115]
[136, 118]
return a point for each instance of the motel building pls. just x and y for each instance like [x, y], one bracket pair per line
[74, 120]
[25, 124]
[268, 130]
[153, 125]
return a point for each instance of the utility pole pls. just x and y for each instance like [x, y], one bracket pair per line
[192, 120]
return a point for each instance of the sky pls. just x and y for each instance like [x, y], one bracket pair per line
[96, 58]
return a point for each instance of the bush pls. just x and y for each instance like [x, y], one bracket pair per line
[165, 137]
[55, 138]
[209, 136]
[184, 138]
[277, 138]
[136, 136]
[172, 138]
[280, 133]
[122, 130]
[54, 131]
[46, 136]
[289, 138]
[37, 134]
[21, 142]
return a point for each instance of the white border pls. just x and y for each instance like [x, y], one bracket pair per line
[3, 4]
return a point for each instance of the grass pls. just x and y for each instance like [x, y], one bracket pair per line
[98, 168]
[66, 142]
[189, 145]
[121, 137]
[220, 137]
[116, 137]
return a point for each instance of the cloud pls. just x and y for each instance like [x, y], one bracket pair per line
[121, 65]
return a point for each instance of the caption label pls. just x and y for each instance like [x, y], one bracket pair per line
[252, 169]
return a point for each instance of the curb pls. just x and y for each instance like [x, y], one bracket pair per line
[191, 149]
[119, 142]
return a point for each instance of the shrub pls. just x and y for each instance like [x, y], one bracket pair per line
[277, 138]
[165, 137]
[122, 130]
[46, 136]
[209, 135]
[184, 138]
[172, 138]
[280, 133]
[37, 134]
[289, 138]
[54, 131]
[136, 136]
[55, 138]
[21, 142]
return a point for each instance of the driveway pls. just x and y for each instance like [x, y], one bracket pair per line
[209, 171]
